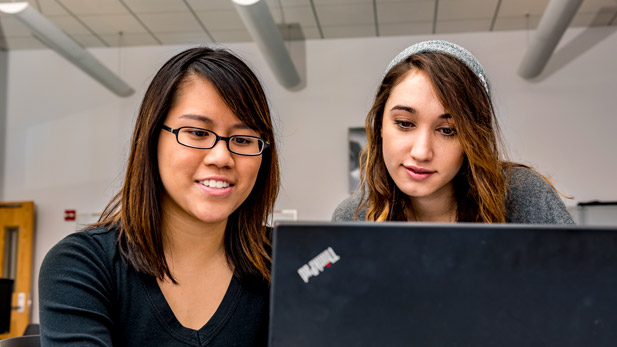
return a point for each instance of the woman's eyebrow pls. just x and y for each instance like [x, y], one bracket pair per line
[404, 108]
[413, 111]
[197, 117]
[209, 121]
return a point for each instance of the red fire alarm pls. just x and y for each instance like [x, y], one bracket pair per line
[69, 215]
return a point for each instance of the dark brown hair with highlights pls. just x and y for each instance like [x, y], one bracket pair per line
[136, 209]
[480, 186]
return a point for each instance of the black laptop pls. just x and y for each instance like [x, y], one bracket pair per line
[416, 284]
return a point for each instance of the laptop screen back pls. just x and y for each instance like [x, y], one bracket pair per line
[392, 284]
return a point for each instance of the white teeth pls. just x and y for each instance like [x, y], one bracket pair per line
[215, 184]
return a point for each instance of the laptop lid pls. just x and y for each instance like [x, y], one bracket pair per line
[393, 284]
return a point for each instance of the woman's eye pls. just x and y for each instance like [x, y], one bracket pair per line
[244, 141]
[199, 133]
[447, 131]
[195, 133]
[403, 124]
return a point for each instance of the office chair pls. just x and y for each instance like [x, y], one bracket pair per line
[32, 329]
[22, 341]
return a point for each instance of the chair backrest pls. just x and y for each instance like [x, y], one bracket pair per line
[32, 329]
[22, 341]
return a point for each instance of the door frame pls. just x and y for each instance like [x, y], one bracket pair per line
[19, 215]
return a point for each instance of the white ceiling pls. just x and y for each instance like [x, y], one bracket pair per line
[110, 23]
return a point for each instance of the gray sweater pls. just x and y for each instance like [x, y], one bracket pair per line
[530, 200]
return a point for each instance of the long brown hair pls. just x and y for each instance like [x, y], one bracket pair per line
[136, 210]
[480, 186]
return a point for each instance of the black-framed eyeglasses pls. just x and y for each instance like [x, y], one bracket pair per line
[206, 139]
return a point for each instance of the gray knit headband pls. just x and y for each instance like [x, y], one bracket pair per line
[443, 47]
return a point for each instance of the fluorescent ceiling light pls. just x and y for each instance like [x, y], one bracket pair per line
[260, 24]
[13, 7]
[245, 2]
[60, 42]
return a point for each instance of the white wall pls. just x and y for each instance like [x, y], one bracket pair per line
[67, 136]
[3, 90]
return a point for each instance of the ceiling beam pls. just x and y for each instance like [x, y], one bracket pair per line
[554, 22]
[492, 27]
[375, 17]
[317, 19]
[56, 39]
[435, 16]
[260, 24]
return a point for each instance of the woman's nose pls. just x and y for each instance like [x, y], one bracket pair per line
[422, 146]
[219, 155]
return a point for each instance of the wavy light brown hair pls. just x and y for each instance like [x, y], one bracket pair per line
[136, 210]
[480, 187]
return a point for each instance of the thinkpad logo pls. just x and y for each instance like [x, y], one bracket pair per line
[317, 265]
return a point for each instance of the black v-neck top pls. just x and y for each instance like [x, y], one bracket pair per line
[89, 296]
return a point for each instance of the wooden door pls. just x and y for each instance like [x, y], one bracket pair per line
[16, 240]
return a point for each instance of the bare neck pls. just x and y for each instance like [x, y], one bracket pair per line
[196, 257]
[190, 246]
[439, 207]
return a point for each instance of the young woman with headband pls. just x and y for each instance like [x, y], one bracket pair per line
[433, 152]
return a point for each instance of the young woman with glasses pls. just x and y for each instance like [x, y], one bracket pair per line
[433, 152]
[180, 257]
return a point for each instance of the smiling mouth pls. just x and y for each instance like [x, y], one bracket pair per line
[215, 184]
